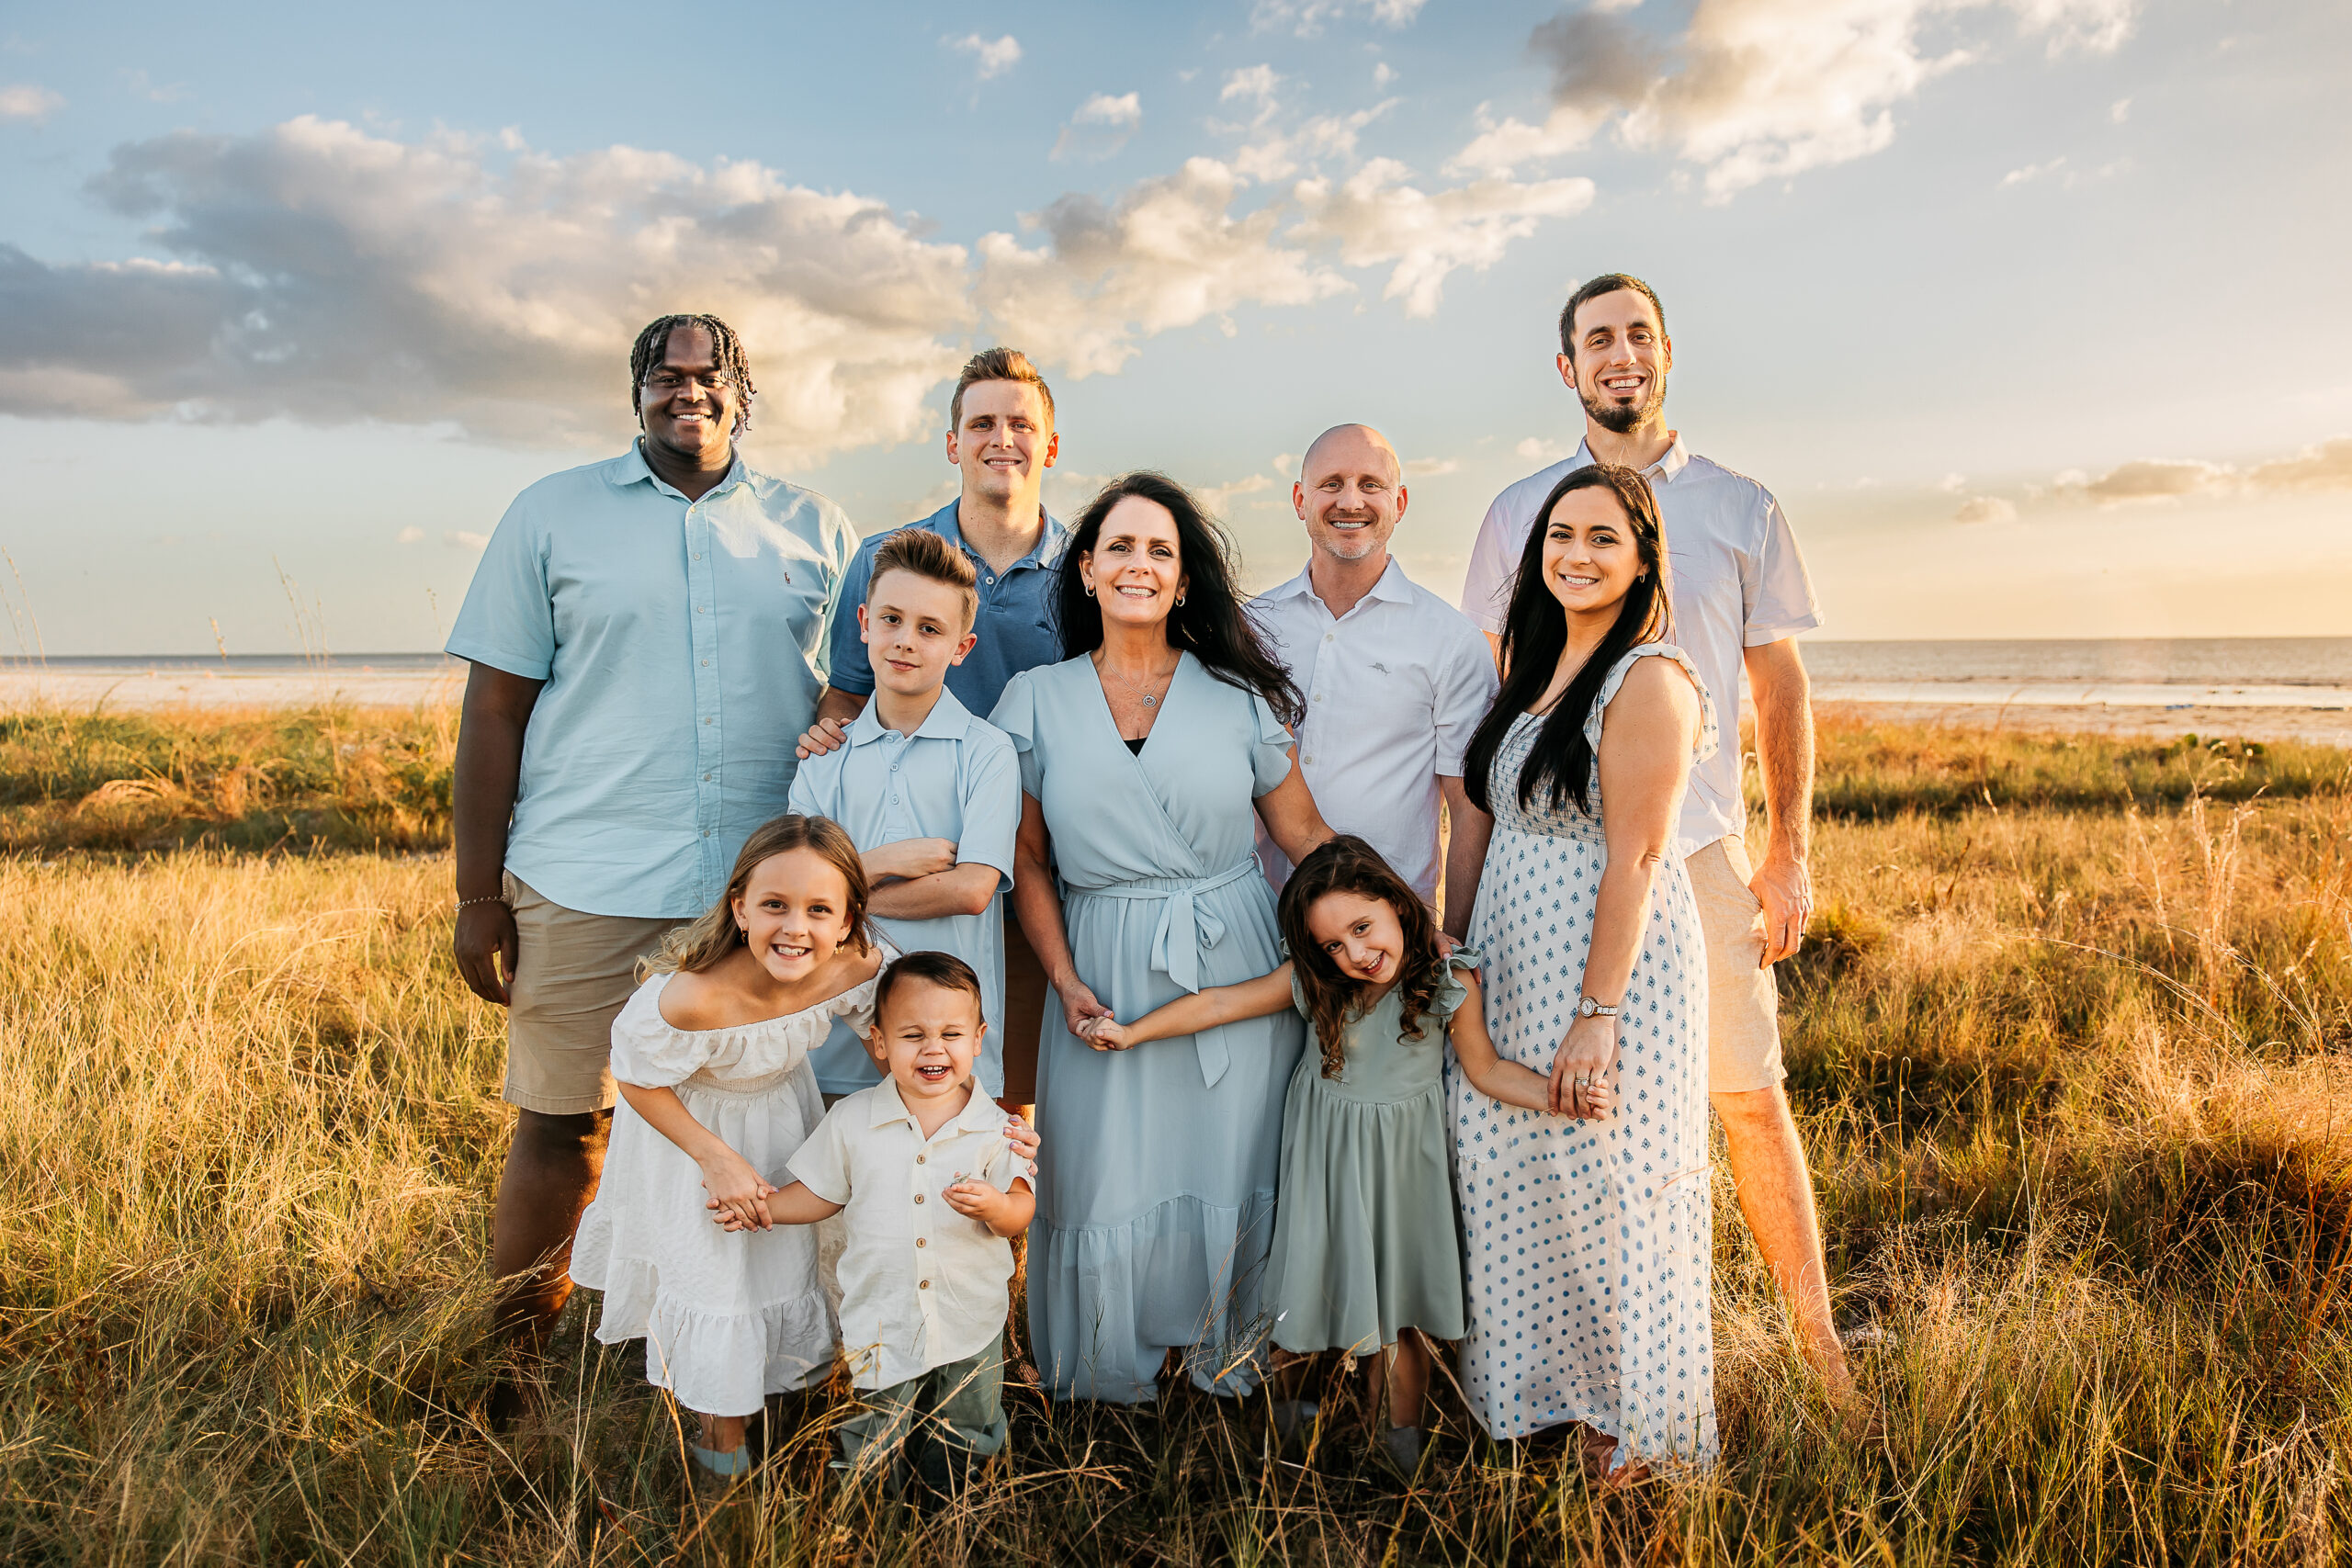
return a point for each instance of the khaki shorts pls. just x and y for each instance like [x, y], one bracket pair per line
[1743, 1009]
[573, 973]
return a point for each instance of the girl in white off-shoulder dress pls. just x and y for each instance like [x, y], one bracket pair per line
[712, 1058]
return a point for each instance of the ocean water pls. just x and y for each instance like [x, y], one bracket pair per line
[2185, 661]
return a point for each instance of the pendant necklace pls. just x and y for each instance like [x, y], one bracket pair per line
[1145, 697]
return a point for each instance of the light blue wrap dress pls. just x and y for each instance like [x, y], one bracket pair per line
[1156, 1195]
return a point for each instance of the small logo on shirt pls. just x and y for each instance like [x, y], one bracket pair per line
[1376, 664]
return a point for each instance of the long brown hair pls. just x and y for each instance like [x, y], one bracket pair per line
[1345, 863]
[714, 934]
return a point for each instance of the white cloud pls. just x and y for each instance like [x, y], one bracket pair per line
[29, 100]
[2120, 112]
[1377, 218]
[1099, 126]
[2324, 467]
[1985, 509]
[1170, 253]
[1382, 74]
[1219, 499]
[2032, 172]
[1954, 483]
[1251, 82]
[409, 536]
[1536, 449]
[2069, 179]
[1759, 90]
[990, 56]
[1431, 467]
[1308, 17]
[328, 275]
[1277, 154]
[460, 540]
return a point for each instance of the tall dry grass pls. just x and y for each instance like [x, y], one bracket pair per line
[2073, 1076]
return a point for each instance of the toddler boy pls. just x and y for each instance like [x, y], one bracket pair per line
[918, 1167]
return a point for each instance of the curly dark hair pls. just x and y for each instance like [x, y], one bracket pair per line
[1210, 623]
[725, 347]
[1345, 863]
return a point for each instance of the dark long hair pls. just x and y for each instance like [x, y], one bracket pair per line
[1536, 631]
[1345, 863]
[1209, 624]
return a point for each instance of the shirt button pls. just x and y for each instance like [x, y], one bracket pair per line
[708, 720]
[921, 1159]
[705, 778]
[894, 767]
[918, 1197]
[706, 663]
[707, 833]
[926, 1285]
[923, 1241]
[1318, 697]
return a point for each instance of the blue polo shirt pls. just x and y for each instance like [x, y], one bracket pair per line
[1014, 625]
[681, 650]
[957, 778]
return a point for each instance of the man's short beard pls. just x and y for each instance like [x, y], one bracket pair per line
[1619, 418]
[1332, 542]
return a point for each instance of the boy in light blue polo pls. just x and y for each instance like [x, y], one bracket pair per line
[930, 795]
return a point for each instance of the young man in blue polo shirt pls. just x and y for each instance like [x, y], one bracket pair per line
[930, 795]
[1001, 439]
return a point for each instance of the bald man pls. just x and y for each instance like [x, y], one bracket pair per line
[1396, 678]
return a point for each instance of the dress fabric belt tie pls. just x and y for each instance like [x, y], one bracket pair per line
[1185, 927]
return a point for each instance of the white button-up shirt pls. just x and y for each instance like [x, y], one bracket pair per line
[1394, 689]
[921, 1285]
[1738, 584]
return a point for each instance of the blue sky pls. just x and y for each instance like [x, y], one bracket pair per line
[2029, 310]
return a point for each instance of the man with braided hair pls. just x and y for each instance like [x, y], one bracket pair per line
[647, 635]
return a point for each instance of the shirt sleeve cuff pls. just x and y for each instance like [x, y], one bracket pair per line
[1761, 636]
[525, 665]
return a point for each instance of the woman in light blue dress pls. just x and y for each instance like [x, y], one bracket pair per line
[1146, 758]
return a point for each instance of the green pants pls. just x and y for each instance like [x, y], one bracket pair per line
[935, 1425]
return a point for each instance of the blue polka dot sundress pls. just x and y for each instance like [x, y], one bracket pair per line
[1588, 1271]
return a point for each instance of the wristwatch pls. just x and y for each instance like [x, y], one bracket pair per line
[1587, 1008]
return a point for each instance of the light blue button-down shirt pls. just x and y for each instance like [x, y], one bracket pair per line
[681, 648]
[956, 778]
[1015, 622]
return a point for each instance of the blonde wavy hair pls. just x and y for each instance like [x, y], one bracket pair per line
[711, 936]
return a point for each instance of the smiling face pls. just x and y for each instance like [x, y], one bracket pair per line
[1620, 360]
[686, 404]
[1360, 935]
[914, 629]
[1350, 493]
[1590, 556]
[1136, 566]
[927, 1037]
[793, 913]
[1006, 441]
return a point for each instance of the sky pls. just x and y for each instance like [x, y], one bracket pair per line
[2030, 312]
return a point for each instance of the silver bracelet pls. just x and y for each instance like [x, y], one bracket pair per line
[485, 898]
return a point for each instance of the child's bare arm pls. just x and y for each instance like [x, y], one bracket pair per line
[1190, 1015]
[1005, 1214]
[734, 1187]
[793, 1205]
[1483, 1066]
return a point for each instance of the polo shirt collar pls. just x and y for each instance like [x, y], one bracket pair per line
[630, 468]
[1666, 471]
[948, 720]
[1051, 542]
[979, 1114]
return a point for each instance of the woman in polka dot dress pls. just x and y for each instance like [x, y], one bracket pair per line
[1588, 1238]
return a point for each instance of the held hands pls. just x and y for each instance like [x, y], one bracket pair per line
[1584, 1073]
[1079, 1005]
[1105, 1033]
[825, 735]
[739, 1193]
[1784, 886]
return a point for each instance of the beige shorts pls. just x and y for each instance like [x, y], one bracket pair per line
[1743, 1009]
[573, 973]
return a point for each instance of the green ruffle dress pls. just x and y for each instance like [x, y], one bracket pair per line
[1365, 1240]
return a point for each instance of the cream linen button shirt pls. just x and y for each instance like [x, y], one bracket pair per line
[921, 1285]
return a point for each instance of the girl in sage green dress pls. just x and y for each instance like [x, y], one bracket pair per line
[1366, 1257]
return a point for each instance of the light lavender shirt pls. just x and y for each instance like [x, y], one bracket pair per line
[1738, 583]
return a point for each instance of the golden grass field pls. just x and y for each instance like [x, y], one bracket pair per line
[2072, 1052]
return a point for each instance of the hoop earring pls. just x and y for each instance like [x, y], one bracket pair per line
[1089, 588]
[1180, 601]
